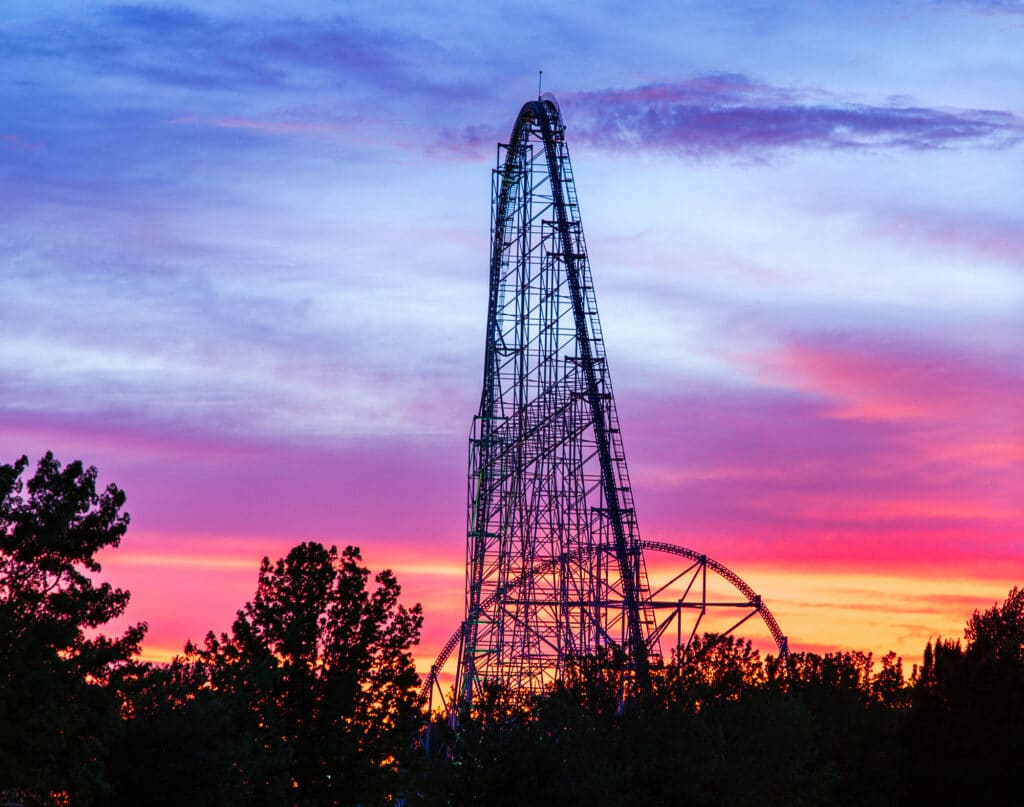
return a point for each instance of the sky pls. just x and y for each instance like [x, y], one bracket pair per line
[244, 274]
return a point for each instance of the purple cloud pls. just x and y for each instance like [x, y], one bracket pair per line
[730, 114]
[336, 53]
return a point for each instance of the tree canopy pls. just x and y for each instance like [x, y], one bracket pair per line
[56, 708]
[313, 691]
[963, 733]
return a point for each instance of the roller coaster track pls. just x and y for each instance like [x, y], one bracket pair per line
[753, 601]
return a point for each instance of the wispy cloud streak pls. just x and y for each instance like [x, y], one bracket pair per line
[734, 115]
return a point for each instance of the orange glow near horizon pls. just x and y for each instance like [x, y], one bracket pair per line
[833, 608]
[857, 610]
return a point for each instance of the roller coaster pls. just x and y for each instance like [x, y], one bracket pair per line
[556, 569]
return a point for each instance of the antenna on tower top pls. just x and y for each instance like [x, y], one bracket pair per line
[540, 78]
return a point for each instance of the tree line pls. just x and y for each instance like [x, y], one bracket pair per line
[311, 698]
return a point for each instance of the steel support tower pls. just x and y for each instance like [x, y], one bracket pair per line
[555, 567]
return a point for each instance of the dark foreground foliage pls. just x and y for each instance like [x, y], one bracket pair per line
[311, 699]
[721, 727]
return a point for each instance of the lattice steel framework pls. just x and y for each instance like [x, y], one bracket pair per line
[554, 562]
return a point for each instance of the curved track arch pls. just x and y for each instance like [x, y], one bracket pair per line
[686, 590]
[701, 563]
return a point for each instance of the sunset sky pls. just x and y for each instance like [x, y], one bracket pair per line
[244, 273]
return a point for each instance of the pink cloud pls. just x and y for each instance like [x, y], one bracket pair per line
[178, 479]
[997, 240]
[889, 379]
[861, 454]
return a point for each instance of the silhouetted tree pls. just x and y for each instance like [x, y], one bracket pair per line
[319, 676]
[963, 735]
[996, 635]
[57, 708]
